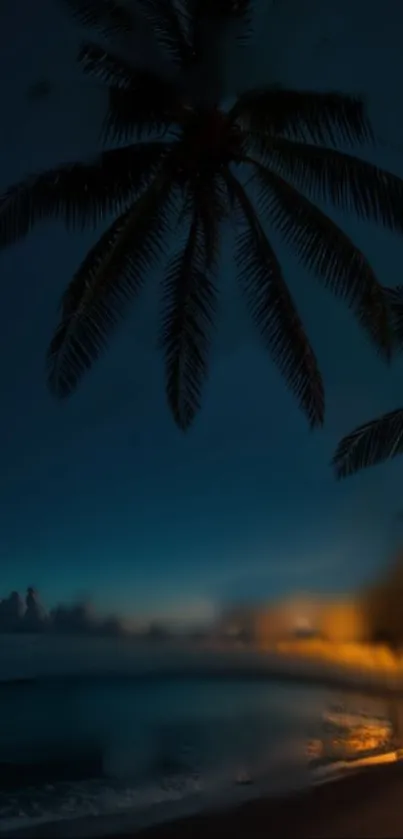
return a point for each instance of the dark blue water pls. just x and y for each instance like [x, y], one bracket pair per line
[151, 747]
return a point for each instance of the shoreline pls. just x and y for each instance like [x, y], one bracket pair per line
[257, 813]
[363, 803]
[360, 803]
[373, 682]
[356, 667]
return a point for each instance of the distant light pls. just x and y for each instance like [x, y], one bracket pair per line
[302, 624]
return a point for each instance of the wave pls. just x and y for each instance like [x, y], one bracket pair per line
[97, 809]
[150, 748]
[105, 806]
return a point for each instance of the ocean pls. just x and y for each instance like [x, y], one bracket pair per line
[138, 746]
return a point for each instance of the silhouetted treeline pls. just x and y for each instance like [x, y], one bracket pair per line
[19, 614]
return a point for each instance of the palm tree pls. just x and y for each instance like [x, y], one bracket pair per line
[382, 438]
[180, 157]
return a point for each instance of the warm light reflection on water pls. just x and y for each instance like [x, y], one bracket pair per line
[178, 742]
[349, 733]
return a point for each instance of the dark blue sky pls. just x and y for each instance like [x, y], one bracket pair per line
[102, 494]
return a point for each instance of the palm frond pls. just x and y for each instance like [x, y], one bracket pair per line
[274, 310]
[303, 114]
[107, 66]
[394, 298]
[322, 247]
[110, 277]
[189, 302]
[79, 194]
[371, 443]
[207, 198]
[349, 183]
[148, 107]
[189, 298]
[169, 21]
[108, 17]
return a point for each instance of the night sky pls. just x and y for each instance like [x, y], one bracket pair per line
[101, 494]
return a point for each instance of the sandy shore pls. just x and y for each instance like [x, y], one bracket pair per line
[366, 805]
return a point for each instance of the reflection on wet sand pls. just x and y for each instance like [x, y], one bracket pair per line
[349, 732]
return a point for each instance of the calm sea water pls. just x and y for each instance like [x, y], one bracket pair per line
[153, 747]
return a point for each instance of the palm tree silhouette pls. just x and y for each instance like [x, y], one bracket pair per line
[382, 438]
[180, 157]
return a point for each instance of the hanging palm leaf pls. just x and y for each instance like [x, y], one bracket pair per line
[170, 24]
[382, 438]
[349, 183]
[108, 17]
[370, 444]
[147, 108]
[263, 164]
[189, 299]
[274, 312]
[111, 275]
[394, 297]
[106, 66]
[79, 194]
[304, 115]
[323, 248]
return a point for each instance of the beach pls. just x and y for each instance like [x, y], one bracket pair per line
[198, 750]
[366, 805]
[363, 805]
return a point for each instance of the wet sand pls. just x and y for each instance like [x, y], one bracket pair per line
[366, 805]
